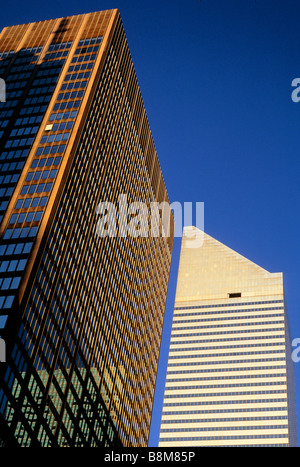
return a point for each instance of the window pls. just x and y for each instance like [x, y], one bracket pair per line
[3, 319]
[234, 295]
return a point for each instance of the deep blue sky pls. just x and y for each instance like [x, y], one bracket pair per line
[215, 77]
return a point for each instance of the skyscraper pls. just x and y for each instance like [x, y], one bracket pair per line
[81, 313]
[230, 373]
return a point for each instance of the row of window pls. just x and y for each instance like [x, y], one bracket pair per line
[18, 154]
[237, 361]
[63, 115]
[15, 85]
[74, 85]
[30, 50]
[33, 110]
[13, 94]
[228, 377]
[20, 68]
[6, 192]
[7, 54]
[37, 99]
[227, 318]
[59, 45]
[19, 76]
[26, 59]
[46, 162]
[41, 90]
[214, 402]
[14, 143]
[37, 175]
[226, 428]
[218, 347]
[70, 95]
[244, 331]
[91, 41]
[54, 54]
[10, 283]
[278, 335]
[225, 419]
[229, 385]
[15, 249]
[81, 67]
[29, 120]
[20, 233]
[34, 216]
[44, 70]
[86, 49]
[36, 188]
[214, 370]
[29, 202]
[225, 394]
[220, 312]
[55, 149]
[222, 438]
[84, 58]
[24, 131]
[67, 105]
[6, 302]
[25, 55]
[227, 411]
[230, 325]
[59, 126]
[11, 103]
[77, 76]
[43, 81]
[217, 305]
[12, 265]
[5, 112]
[11, 178]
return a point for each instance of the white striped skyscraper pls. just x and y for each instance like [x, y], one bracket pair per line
[230, 374]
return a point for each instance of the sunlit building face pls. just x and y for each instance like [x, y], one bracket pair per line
[230, 372]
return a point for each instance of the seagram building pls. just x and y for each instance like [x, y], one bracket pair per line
[81, 314]
[230, 374]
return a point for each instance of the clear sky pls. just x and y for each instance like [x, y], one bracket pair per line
[215, 77]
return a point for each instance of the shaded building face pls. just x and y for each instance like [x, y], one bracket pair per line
[230, 372]
[81, 314]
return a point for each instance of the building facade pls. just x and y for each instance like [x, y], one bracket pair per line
[81, 313]
[230, 374]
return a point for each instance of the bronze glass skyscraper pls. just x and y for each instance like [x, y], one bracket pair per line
[81, 314]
